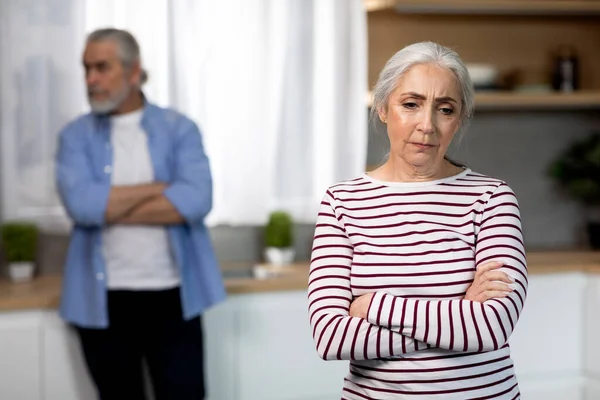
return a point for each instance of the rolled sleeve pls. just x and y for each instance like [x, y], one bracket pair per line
[84, 198]
[191, 189]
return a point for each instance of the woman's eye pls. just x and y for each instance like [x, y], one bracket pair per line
[446, 111]
[410, 106]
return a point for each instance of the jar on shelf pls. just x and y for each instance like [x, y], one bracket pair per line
[565, 75]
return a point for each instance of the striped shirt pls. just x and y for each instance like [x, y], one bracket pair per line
[415, 245]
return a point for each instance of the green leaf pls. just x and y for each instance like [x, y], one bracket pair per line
[577, 170]
[279, 230]
[19, 241]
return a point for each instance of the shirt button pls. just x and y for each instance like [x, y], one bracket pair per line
[107, 169]
[100, 276]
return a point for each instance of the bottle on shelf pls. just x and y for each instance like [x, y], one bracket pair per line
[565, 75]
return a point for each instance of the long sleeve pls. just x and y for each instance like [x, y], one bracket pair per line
[85, 199]
[337, 335]
[191, 190]
[463, 325]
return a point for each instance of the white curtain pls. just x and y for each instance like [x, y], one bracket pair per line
[277, 87]
[41, 89]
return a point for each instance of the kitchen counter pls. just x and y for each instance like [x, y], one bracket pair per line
[44, 291]
[551, 262]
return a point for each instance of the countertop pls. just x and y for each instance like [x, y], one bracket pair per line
[44, 291]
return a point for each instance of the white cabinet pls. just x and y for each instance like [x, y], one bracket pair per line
[278, 360]
[547, 345]
[265, 351]
[591, 339]
[259, 347]
[65, 375]
[40, 359]
[221, 352]
[20, 352]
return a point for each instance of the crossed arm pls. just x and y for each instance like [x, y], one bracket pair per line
[460, 325]
[466, 325]
[141, 204]
[93, 203]
[337, 334]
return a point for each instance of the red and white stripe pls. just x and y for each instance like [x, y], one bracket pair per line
[416, 245]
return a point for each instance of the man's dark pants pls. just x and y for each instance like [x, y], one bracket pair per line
[145, 325]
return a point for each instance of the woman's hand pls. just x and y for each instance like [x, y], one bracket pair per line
[360, 306]
[488, 283]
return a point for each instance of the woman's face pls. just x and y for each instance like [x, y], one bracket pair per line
[423, 115]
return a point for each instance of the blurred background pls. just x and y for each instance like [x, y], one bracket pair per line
[281, 92]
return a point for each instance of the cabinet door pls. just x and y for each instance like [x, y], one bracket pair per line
[592, 333]
[221, 351]
[547, 346]
[277, 356]
[592, 389]
[65, 374]
[20, 356]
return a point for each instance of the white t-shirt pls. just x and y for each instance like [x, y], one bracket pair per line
[137, 257]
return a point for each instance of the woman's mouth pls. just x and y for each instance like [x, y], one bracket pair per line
[423, 146]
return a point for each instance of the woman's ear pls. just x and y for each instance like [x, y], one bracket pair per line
[382, 115]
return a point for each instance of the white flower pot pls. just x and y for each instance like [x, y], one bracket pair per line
[279, 256]
[21, 271]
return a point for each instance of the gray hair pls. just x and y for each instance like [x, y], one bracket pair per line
[424, 53]
[129, 49]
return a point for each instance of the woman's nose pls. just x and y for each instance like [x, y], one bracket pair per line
[426, 124]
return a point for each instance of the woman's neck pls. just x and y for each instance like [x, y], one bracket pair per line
[401, 171]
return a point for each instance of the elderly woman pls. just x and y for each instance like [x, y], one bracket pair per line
[418, 273]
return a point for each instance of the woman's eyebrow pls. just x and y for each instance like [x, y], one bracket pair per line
[422, 97]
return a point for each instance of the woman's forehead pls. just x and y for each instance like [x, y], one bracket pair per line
[429, 78]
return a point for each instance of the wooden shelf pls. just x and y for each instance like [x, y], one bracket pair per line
[578, 100]
[513, 7]
[376, 5]
[532, 101]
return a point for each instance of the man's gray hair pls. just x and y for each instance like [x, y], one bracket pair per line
[129, 49]
[423, 53]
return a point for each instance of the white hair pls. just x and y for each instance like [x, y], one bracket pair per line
[129, 49]
[423, 53]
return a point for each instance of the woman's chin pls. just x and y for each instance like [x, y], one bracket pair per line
[421, 160]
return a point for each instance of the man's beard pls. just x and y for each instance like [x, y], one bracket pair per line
[111, 104]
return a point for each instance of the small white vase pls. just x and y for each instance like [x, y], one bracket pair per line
[279, 256]
[21, 271]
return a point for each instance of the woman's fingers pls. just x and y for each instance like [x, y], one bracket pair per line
[488, 266]
[490, 283]
[487, 291]
[497, 276]
[490, 294]
[496, 286]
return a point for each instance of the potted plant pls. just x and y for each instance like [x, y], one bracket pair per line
[279, 239]
[577, 170]
[19, 243]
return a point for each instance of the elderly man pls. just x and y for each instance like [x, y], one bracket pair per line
[140, 269]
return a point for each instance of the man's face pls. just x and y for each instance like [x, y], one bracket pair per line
[108, 82]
